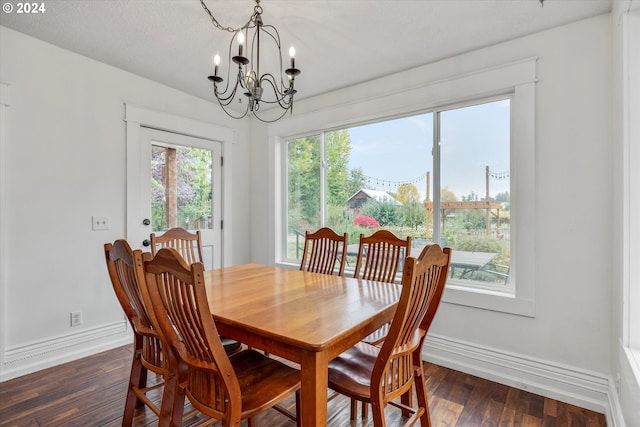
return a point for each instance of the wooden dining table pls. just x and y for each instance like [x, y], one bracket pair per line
[307, 318]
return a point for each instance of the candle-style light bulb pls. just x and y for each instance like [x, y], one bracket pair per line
[240, 42]
[216, 63]
[292, 54]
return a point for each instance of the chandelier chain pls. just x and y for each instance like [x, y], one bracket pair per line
[250, 24]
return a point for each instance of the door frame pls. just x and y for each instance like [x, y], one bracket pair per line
[137, 117]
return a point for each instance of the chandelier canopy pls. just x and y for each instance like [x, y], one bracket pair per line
[267, 88]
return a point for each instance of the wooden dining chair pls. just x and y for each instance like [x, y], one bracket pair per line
[378, 375]
[322, 249]
[188, 245]
[226, 388]
[380, 255]
[148, 353]
[379, 258]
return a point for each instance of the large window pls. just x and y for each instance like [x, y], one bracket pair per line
[390, 175]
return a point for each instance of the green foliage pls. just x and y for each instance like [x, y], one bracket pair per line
[193, 188]
[356, 181]
[304, 177]
[478, 244]
[339, 217]
[413, 214]
[338, 151]
[473, 197]
[304, 181]
[472, 219]
[447, 195]
[485, 244]
[504, 198]
[407, 193]
[385, 213]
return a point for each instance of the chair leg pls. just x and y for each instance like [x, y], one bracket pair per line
[142, 381]
[132, 400]
[407, 400]
[421, 395]
[377, 410]
[365, 410]
[354, 409]
[172, 408]
[298, 413]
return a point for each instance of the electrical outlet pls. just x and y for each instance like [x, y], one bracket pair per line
[99, 223]
[76, 318]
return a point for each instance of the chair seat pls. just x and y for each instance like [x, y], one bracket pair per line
[230, 346]
[263, 381]
[350, 373]
[378, 336]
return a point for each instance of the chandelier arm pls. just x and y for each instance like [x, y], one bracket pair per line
[273, 120]
[226, 100]
[280, 96]
[276, 39]
[234, 116]
[228, 68]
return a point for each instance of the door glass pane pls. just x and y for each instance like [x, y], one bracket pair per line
[475, 192]
[181, 186]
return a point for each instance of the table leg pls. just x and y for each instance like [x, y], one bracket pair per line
[313, 392]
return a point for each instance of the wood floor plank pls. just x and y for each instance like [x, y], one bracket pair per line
[91, 393]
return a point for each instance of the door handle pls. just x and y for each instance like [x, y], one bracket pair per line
[146, 221]
[146, 242]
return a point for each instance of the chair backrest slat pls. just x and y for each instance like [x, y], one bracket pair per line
[380, 255]
[188, 245]
[322, 250]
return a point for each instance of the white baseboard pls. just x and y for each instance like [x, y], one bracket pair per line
[589, 390]
[32, 357]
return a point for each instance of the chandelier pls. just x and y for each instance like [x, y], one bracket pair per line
[258, 89]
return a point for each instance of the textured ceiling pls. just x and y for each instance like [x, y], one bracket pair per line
[339, 42]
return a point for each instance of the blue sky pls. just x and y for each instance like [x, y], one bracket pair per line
[399, 150]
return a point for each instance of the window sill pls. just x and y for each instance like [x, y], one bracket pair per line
[633, 357]
[486, 299]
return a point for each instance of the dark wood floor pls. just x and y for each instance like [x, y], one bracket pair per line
[91, 391]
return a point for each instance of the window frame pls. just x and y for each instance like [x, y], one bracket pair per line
[518, 78]
[510, 289]
[631, 196]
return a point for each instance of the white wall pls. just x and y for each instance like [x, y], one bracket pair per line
[64, 160]
[564, 351]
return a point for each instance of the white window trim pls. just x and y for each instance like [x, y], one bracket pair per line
[631, 192]
[4, 107]
[517, 77]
